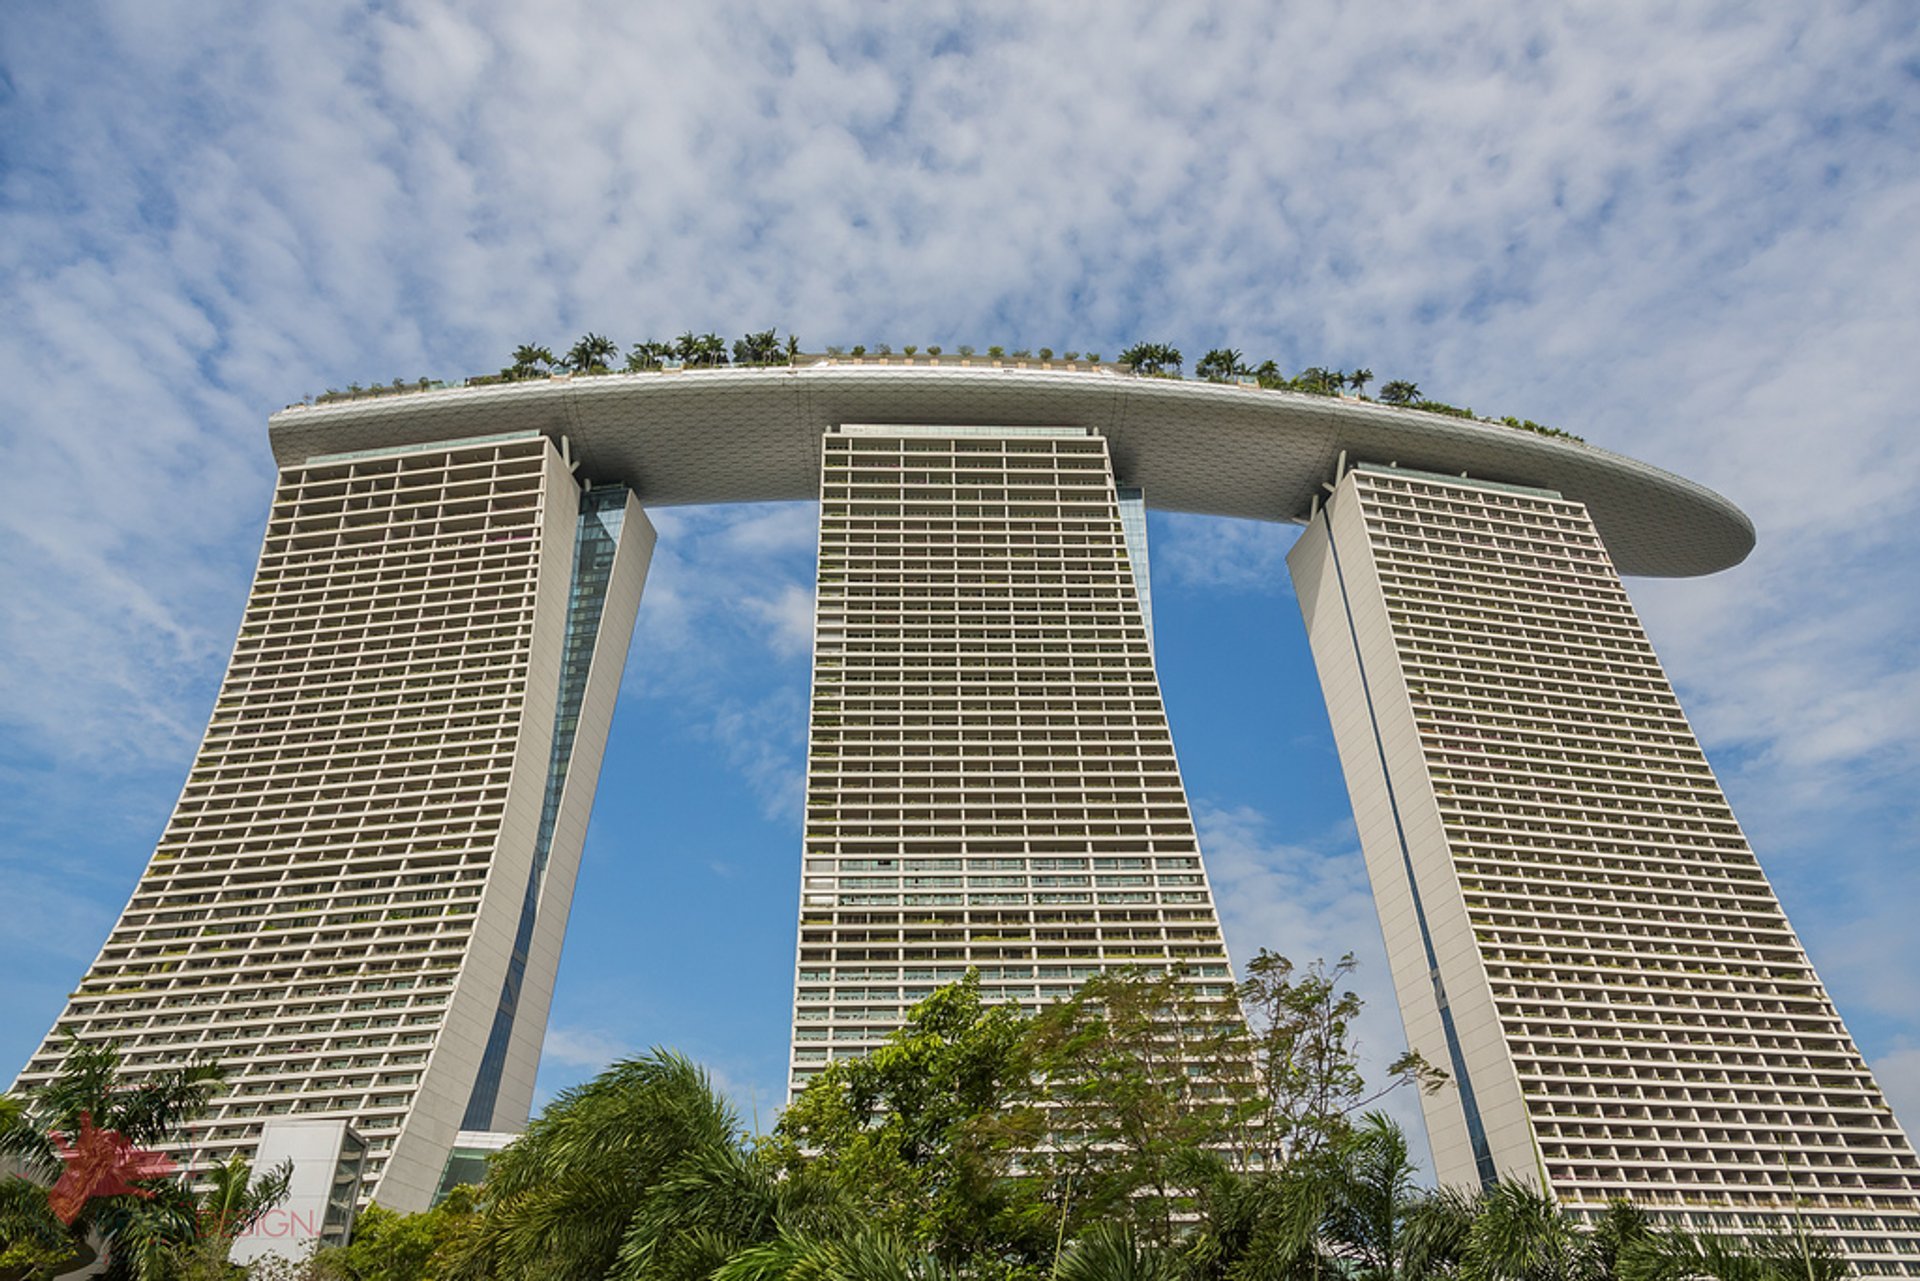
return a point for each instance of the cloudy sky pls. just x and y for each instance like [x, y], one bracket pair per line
[1690, 233]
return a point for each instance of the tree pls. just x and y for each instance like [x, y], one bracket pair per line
[922, 1134]
[1308, 1067]
[648, 355]
[1398, 392]
[1222, 364]
[388, 1246]
[529, 361]
[1317, 381]
[723, 1203]
[696, 350]
[1138, 1069]
[1152, 358]
[1359, 379]
[142, 1213]
[560, 1199]
[1679, 1255]
[762, 348]
[1112, 1252]
[1370, 1202]
[591, 353]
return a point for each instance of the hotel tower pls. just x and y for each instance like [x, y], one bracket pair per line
[358, 905]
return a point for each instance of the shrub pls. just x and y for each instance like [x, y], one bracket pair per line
[859, 349]
[933, 349]
[966, 349]
[996, 351]
[911, 349]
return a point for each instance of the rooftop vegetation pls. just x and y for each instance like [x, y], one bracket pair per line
[596, 354]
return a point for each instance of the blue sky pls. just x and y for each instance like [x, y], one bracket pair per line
[1691, 234]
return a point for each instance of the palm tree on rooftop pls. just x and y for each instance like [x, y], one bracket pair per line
[591, 353]
[530, 361]
[647, 355]
[1359, 379]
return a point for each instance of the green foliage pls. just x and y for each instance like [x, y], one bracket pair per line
[980, 1144]
[933, 349]
[966, 349]
[560, 1199]
[1222, 364]
[1310, 1084]
[650, 354]
[698, 350]
[996, 351]
[1399, 392]
[1112, 1252]
[1137, 1070]
[762, 348]
[1152, 358]
[160, 1231]
[590, 354]
[403, 1247]
[922, 1134]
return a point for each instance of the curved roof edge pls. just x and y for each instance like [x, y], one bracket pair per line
[745, 435]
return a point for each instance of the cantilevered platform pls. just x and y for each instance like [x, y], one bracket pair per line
[752, 435]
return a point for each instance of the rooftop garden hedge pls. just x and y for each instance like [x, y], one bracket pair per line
[596, 354]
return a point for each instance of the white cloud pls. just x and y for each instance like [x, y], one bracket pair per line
[587, 1051]
[1206, 552]
[1898, 1072]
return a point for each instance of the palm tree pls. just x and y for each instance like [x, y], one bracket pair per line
[529, 361]
[562, 1199]
[1222, 364]
[1109, 1252]
[1370, 1201]
[88, 1098]
[1399, 392]
[647, 355]
[761, 348]
[591, 353]
[1359, 379]
[719, 1203]
[1151, 358]
[1678, 1255]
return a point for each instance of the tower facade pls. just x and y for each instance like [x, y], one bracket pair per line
[991, 782]
[1577, 927]
[357, 905]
